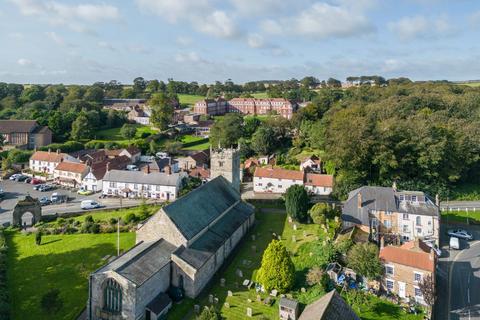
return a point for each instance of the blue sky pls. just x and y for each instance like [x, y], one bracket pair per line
[53, 41]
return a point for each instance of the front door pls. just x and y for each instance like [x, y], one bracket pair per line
[401, 289]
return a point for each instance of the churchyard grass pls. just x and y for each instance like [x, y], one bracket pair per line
[306, 253]
[471, 217]
[61, 262]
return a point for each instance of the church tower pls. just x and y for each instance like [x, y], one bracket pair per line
[226, 163]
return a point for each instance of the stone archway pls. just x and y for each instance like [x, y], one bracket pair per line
[28, 205]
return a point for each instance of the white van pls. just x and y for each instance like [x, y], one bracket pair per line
[132, 167]
[89, 204]
[454, 243]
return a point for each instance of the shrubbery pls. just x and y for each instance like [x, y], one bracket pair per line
[277, 270]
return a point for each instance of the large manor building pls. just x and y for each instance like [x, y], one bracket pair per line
[179, 249]
[25, 134]
[246, 106]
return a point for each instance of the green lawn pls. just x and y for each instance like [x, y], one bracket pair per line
[194, 143]
[260, 95]
[113, 134]
[189, 99]
[62, 262]
[248, 260]
[471, 216]
[105, 215]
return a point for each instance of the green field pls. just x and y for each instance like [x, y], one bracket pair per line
[470, 84]
[62, 262]
[113, 134]
[260, 95]
[194, 143]
[189, 99]
[471, 217]
[248, 260]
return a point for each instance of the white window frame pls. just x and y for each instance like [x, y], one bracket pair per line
[390, 266]
[420, 297]
[415, 273]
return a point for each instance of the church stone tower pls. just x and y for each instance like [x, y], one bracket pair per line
[226, 163]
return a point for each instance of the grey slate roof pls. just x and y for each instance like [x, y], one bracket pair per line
[142, 261]
[384, 199]
[154, 178]
[11, 126]
[196, 210]
[159, 303]
[329, 307]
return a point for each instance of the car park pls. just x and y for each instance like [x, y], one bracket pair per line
[58, 198]
[38, 186]
[460, 233]
[21, 178]
[36, 181]
[28, 180]
[90, 204]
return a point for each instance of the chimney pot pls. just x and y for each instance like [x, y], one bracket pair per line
[108, 166]
[437, 200]
[359, 200]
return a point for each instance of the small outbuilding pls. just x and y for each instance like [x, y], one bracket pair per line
[288, 309]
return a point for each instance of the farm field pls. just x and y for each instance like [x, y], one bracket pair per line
[61, 262]
[113, 134]
[260, 95]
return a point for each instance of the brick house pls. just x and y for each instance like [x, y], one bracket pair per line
[388, 212]
[405, 268]
[70, 173]
[26, 134]
[246, 106]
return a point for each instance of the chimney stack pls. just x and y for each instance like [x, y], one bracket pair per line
[359, 198]
[108, 166]
[437, 200]
[49, 150]
[58, 151]
[394, 186]
[168, 170]
[148, 168]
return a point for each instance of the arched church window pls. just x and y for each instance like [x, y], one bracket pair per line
[112, 295]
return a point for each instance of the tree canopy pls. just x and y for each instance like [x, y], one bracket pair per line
[162, 110]
[297, 202]
[363, 259]
[277, 270]
[227, 130]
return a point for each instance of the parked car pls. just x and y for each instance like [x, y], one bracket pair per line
[28, 180]
[38, 186]
[132, 167]
[44, 201]
[45, 187]
[460, 233]
[21, 178]
[2, 193]
[84, 192]
[36, 181]
[90, 204]
[454, 243]
[435, 248]
[14, 176]
[58, 198]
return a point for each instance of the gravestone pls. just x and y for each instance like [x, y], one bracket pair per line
[249, 312]
[310, 254]
[303, 290]
[226, 305]
[196, 309]
[274, 293]
[295, 226]
[210, 298]
[290, 220]
[253, 237]
[239, 273]
[249, 300]
[215, 300]
[279, 237]
[305, 234]
[294, 239]
[229, 293]
[259, 299]
[222, 282]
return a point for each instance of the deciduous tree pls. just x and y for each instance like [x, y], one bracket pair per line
[363, 259]
[297, 202]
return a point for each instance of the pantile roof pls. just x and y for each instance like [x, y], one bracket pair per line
[278, 173]
[71, 167]
[412, 254]
[319, 180]
[48, 156]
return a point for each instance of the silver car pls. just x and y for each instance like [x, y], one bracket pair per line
[460, 233]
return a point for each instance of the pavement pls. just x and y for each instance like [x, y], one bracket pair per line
[458, 279]
[15, 191]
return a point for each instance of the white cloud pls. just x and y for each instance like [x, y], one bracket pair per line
[106, 45]
[188, 57]
[55, 37]
[255, 40]
[201, 14]
[409, 28]
[77, 17]
[24, 62]
[218, 24]
[259, 7]
[322, 20]
[184, 41]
